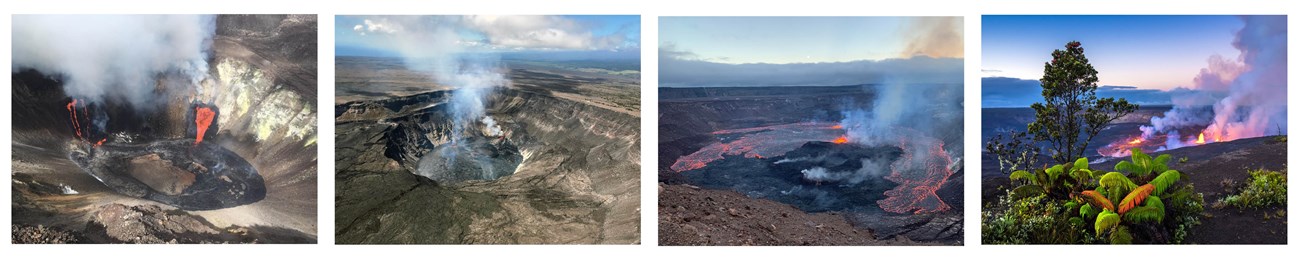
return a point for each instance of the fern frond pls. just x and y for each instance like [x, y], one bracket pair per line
[1125, 166]
[1135, 197]
[1164, 180]
[1117, 185]
[1106, 221]
[1087, 211]
[1080, 164]
[1081, 176]
[1121, 236]
[1153, 211]
[1055, 172]
[1028, 190]
[1144, 214]
[1096, 199]
[1080, 172]
[1155, 202]
[1143, 161]
[1161, 164]
[1021, 175]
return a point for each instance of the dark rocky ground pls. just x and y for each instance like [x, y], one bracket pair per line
[691, 216]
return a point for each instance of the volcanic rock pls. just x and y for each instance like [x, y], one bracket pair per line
[151, 224]
[41, 234]
[470, 159]
[175, 172]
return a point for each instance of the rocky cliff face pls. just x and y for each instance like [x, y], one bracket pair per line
[578, 181]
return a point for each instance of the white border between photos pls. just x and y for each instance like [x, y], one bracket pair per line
[650, 12]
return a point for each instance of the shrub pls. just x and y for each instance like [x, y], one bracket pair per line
[1264, 188]
[1032, 220]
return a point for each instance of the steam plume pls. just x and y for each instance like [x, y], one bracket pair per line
[432, 45]
[118, 56]
[871, 169]
[1248, 94]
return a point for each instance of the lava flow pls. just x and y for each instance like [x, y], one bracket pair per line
[202, 119]
[1123, 148]
[918, 179]
[761, 142]
[83, 134]
[76, 124]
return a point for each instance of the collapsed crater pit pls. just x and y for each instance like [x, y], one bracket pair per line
[187, 173]
[175, 172]
[472, 158]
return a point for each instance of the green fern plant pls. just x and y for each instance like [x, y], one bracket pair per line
[1055, 181]
[1137, 204]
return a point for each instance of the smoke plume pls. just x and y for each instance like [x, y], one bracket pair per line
[1247, 95]
[113, 56]
[872, 168]
[491, 127]
[934, 37]
[904, 110]
[432, 45]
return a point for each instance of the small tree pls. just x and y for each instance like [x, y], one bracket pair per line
[1014, 151]
[1071, 114]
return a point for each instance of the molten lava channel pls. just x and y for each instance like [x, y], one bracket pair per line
[760, 142]
[919, 176]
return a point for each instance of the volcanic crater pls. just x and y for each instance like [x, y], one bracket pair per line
[789, 145]
[550, 162]
[230, 159]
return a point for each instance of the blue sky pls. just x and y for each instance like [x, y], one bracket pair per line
[394, 35]
[803, 51]
[1148, 52]
[1145, 59]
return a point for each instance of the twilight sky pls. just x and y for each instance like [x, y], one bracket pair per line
[794, 51]
[1148, 52]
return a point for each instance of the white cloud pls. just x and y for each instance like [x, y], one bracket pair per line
[540, 32]
[380, 26]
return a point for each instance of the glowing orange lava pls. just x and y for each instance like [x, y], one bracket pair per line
[101, 142]
[757, 142]
[837, 126]
[1200, 139]
[202, 118]
[1135, 141]
[76, 124]
[920, 172]
[918, 180]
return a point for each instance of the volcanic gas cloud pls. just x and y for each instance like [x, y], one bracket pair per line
[912, 117]
[431, 45]
[1247, 95]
